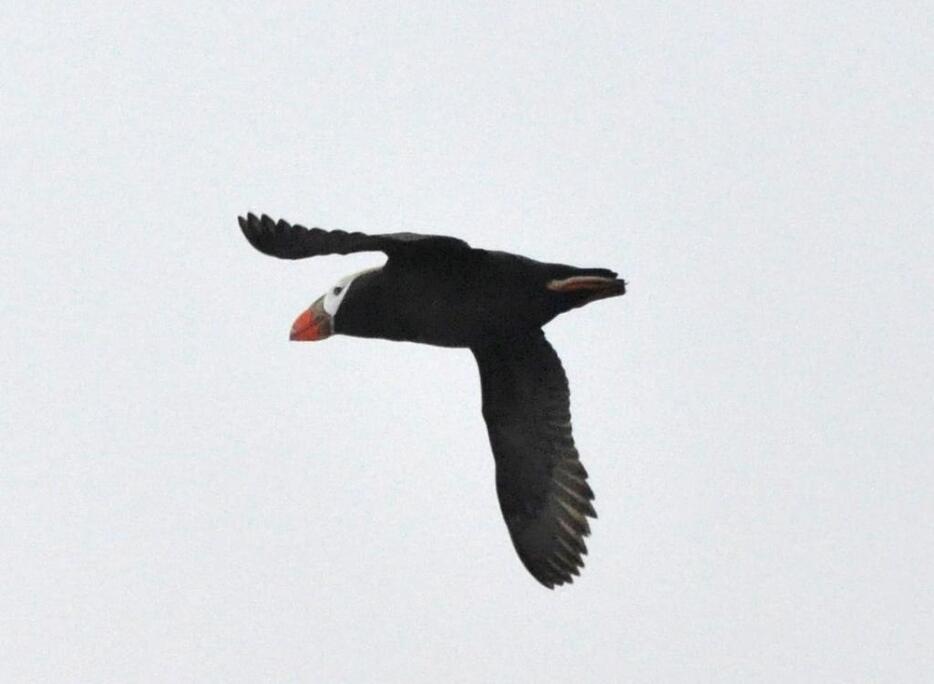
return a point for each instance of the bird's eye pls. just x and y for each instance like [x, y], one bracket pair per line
[337, 290]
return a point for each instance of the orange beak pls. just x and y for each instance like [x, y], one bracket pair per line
[313, 324]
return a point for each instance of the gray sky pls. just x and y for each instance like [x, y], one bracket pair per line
[186, 496]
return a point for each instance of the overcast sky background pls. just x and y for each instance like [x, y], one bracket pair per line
[187, 496]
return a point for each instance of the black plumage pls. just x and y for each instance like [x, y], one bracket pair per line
[439, 290]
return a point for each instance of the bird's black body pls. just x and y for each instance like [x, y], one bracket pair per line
[438, 290]
[456, 298]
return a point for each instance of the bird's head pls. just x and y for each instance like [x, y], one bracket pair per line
[320, 320]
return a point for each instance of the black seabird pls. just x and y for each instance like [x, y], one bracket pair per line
[438, 290]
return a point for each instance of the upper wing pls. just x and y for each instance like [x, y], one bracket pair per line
[283, 240]
[542, 486]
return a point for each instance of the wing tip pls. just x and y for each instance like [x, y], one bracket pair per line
[267, 235]
[566, 559]
[249, 223]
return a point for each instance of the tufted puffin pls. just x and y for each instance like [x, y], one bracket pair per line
[439, 290]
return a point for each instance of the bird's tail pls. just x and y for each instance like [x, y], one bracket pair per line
[586, 285]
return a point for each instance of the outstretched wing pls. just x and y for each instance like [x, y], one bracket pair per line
[541, 484]
[286, 241]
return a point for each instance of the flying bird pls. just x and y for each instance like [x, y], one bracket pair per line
[439, 290]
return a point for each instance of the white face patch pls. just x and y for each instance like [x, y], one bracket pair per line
[335, 295]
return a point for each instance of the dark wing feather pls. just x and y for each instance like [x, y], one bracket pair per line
[541, 484]
[286, 241]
